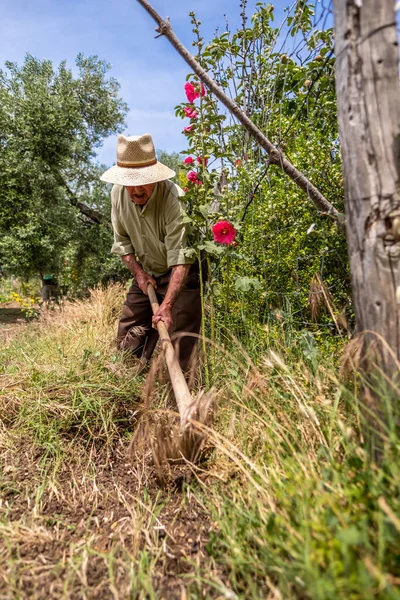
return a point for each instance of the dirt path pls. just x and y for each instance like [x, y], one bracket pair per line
[100, 533]
[78, 518]
[11, 320]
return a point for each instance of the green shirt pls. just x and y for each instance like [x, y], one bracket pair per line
[155, 233]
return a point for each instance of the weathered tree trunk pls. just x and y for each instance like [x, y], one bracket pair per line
[368, 96]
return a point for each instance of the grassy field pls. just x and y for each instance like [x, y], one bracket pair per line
[287, 504]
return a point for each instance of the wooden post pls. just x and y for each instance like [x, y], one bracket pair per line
[368, 95]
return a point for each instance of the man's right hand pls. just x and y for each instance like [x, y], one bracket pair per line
[143, 279]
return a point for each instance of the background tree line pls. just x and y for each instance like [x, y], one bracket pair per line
[54, 211]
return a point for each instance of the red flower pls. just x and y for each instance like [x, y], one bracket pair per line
[198, 182]
[191, 93]
[190, 112]
[238, 164]
[223, 232]
[188, 129]
[194, 91]
[202, 160]
[188, 160]
[186, 189]
[192, 176]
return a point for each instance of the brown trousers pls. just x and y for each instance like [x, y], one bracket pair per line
[135, 331]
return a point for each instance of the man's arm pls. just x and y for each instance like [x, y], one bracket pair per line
[176, 283]
[142, 278]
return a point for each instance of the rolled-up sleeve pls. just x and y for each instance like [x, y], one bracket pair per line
[176, 238]
[122, 242]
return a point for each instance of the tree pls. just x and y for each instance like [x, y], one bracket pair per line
[368, 93]
[274, 153]
[51, 123]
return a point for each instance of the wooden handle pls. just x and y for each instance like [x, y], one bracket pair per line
[182, 394]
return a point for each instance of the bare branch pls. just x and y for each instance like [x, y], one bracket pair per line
[275, 155]
[93, 214]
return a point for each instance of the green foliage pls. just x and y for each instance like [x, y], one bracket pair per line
[51, 122]
[282, 239]
[24, 289]
[173, 160]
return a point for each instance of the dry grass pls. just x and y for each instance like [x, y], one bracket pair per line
[288, 505]
[77, 517]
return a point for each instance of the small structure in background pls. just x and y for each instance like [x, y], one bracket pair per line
[50, 288]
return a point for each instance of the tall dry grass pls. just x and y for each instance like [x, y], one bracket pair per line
[288, 505]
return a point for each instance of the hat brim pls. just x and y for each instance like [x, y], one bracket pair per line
[137, 176]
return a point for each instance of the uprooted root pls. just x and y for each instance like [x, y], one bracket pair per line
[160, 438]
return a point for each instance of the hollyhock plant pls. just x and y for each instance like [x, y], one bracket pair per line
[223, 232]
[194, 91]
[202, 160]
[190, 112]
[191, 93]
[188, 160]
[192, 176]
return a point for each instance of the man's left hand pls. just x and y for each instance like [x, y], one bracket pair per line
[164, 314]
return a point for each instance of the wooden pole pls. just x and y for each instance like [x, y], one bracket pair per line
[275, 156]
[368, 95]
[183, 397]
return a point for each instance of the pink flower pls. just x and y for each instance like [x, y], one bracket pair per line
[223, 232]
[188, 160]
[202, 160]
[191, 93]
[198, 182]
[192, 176]
[186, 189]
[190, 112]
[194, 91]
[188, 129]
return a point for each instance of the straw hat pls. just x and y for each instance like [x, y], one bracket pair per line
[136, 162]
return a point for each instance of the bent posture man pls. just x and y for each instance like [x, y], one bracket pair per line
[151, 238]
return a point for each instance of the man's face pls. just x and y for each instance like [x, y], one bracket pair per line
[139, 194]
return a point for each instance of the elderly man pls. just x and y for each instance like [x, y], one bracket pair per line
[151, 238]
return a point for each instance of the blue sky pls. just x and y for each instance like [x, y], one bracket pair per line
[149, 70]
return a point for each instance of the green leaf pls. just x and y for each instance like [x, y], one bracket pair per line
[350, 536]
[204, 209]
[244, 284]
[211, 247]
[189, 252]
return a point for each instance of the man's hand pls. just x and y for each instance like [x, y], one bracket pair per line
[164, 314]
[143, 279]
[176, 283]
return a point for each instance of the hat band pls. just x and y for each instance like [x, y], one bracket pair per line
[136, 165]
